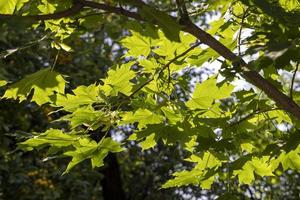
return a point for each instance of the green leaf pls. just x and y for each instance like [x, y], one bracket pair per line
[168, 25]
[10, 6]
[137, 44]
[118, 80]
[207, 92]
[280, 116]
[290, 4]
[172, 116]
[184, 178]
[202, 57]
[226, 31]
[84, 149]
[89, 149]
[142, 116]
[203, 174]
[215, 26]
[165, 47]
[43, 83]
[3, 83]
[290, 160]
[88, 117]
[92, 22]
[207, 161]
[260, 166]
[246, 176]
[149, 65]
[83, 96]
[248, 147]
[206, 184]
[46, 7]
[61, 28]
[170, 135]
[149, 142]
[52, 137]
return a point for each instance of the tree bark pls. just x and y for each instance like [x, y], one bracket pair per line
[282, 100]
[111, 183]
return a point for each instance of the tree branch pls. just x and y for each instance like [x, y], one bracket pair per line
[293, 81]
[256, 112]
[241, 29]
[165, 67]
[183, 13]
[111, 9]
[250, 75]
[76, 8]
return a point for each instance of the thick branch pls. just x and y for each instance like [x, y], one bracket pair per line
[111, 9]
[250, 75]
[76, 8]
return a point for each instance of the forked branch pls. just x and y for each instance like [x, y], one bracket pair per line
[282, 100]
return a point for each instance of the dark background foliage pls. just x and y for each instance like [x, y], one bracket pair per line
[132, 174]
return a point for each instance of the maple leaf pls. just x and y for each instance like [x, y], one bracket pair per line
[43, 83]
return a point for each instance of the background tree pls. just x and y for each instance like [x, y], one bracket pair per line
[232, 136]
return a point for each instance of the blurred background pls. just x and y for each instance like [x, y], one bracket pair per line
[132, 174]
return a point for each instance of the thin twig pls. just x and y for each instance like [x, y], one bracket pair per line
[250, 191]
[228, 175]
[164, 67]
[246, 71]
[183, 13]
[169, 76]
[8, 52]
[55, 60]
[240, 31]
[293, 81]
[256, 112]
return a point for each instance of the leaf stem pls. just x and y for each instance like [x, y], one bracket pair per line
[55, 61]
[240, 31]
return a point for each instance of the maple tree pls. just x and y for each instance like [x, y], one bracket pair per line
[229, 133]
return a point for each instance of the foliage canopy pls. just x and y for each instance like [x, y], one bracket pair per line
[230, 132]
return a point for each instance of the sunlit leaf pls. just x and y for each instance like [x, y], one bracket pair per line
[10, 6]
[82, 95]
[118, 80]
[87, 149]
[208, 91]
[52, 137]
[43, 84]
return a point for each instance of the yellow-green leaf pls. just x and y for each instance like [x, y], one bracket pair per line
[118, 80]
[10, 6]
[43, 84]
[208, 91]
[3, 83]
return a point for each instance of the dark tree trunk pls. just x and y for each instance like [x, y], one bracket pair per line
[111, 182]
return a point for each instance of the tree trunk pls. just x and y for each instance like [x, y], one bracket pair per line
[111, 182]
